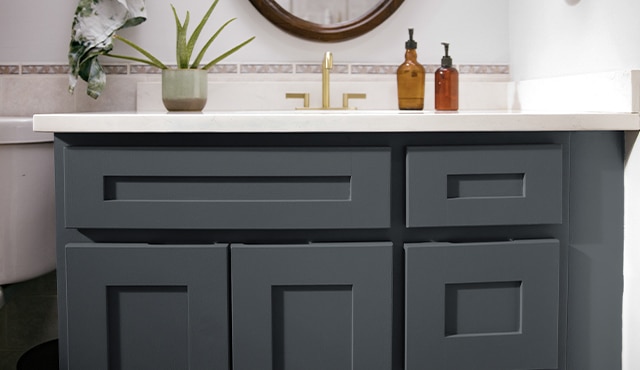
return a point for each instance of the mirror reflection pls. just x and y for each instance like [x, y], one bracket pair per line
[328, 12]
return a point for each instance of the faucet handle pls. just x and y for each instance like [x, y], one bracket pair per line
[303, 96]
[347, 96]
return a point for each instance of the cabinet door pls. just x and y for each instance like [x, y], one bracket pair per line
[482, 306]
[311, 307]
[147, 307]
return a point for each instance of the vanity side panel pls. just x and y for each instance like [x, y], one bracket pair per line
[596, 251]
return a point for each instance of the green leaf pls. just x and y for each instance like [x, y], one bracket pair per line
[140, 60]
[202, 52]
[226, 54]
[196, 33]
[182, 57]
[152, 60]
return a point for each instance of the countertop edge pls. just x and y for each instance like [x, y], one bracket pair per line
[325, 122]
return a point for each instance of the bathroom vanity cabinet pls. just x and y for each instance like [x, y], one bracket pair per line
[343, 251]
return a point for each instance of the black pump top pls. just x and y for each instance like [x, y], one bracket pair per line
[411, 44]
[447, 62]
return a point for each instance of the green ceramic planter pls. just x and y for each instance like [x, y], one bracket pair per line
[184, 89]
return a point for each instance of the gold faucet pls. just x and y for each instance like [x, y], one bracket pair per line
[327, 66]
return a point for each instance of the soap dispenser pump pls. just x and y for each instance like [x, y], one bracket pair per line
[446, 84]
[411, 77]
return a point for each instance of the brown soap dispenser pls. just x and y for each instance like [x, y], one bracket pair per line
[446, 83]
[411, 76]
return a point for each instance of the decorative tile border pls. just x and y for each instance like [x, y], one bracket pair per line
[224, 68]
[262, 68]
[116, 69]
[136, 69]
[266, 68]
[316, 68]
[9, 69]
[484, 69]
[375, 69]
[31, 69]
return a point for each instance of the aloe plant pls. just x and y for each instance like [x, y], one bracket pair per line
[184, 47]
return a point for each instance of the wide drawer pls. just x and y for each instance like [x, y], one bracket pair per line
[484, 185]
[226, 188]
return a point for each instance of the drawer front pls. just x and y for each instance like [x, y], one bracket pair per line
[484, 185]
[482, 305]
[226, 188]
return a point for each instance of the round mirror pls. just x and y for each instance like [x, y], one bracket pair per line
[327, 20]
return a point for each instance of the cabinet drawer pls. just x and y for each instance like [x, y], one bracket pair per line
[226, 188]
[482, 305]
[484, 185]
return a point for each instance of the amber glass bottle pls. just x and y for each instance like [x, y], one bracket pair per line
[446, 84]
[411, 76]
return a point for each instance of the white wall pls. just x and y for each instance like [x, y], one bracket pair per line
[551, 38]
[478, 31]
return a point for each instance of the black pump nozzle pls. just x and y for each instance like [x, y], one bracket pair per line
[411, 44]
[447, 62]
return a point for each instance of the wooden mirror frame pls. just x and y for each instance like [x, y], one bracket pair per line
[327, 33]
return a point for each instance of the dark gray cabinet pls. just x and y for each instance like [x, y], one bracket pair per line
[312, 307]
[484, 185]
[482, 305]
[370, 251]
[137, 307]
[232, 188]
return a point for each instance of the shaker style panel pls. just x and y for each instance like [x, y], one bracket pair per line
[484, 185]
[483, 306]
[312, 307]
[147, 307]
[226, 188]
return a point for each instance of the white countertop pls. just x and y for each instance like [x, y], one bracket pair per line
[334, 121]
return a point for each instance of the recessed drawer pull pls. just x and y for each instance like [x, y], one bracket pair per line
[485, 186]
[224, 188]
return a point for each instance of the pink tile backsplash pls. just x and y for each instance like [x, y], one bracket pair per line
[266, 68]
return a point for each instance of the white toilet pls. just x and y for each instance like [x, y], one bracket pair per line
[27, 211]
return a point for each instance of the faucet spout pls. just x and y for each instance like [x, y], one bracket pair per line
[327, 65]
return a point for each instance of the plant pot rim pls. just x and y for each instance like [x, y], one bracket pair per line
[185, 69]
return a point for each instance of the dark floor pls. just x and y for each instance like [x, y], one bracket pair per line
[30, 317]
